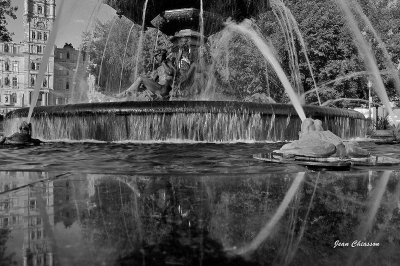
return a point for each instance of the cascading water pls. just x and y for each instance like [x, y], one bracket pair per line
[123, 56]
[286, 28]
[245, 28]
[392, 69]
[140, 43]
[202, 44]
[278, 4]
[365, 52]
[182, 121]
[79, 92]
[105, 49]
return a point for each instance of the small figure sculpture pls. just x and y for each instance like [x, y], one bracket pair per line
[23, 137]
[314, 141]
[159, 85]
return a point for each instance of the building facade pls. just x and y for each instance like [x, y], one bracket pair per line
[68, 73]
[39, 16]
[19, 63]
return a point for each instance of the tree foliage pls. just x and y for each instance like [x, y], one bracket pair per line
[6, 9]
[238, 70]
[333, 51]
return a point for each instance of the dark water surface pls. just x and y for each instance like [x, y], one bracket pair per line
[152, 158]
[192, 204]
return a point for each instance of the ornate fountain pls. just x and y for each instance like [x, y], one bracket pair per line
[208, 121]
[182, 19]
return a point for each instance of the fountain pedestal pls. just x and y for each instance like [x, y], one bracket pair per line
[184, 26]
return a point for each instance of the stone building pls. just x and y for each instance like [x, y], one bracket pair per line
[68, 72]
[19, 63]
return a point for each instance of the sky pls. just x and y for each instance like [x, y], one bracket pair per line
[74, 20]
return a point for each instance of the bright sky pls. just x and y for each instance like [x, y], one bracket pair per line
[74, 20]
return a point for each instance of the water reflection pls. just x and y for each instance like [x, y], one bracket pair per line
[95, 219]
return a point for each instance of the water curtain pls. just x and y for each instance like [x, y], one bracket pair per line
[93, 15]
[123, 56]
[140, 44]
[291, 19]
[104, 51]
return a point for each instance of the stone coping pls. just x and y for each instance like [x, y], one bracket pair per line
[147, 107]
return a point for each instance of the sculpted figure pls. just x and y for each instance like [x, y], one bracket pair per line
[23, 137]
[159, 85]
[314, 141]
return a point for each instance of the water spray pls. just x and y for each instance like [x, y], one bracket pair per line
[245, 28]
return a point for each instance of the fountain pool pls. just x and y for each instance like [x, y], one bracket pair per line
[191, 204]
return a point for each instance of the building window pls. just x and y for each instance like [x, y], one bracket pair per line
[33, 66]
[33, 35]
[5, 222]
[39, 35]
[60, 55]
[15, 67]
[14, 81]
[45, 36]
[6, 48]
[6, 81]
[39, 49]
[7, 66]
[67, 86]
[44, 82]
[14, 98]
[40, 10]
[32, 81]
[14, 49]
[32, 204]
[67, 55]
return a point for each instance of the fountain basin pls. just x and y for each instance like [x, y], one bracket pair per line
[171, 21]
[205, 121]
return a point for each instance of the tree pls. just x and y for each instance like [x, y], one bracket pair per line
[6, 10]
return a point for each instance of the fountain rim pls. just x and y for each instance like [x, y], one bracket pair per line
[169, 107]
